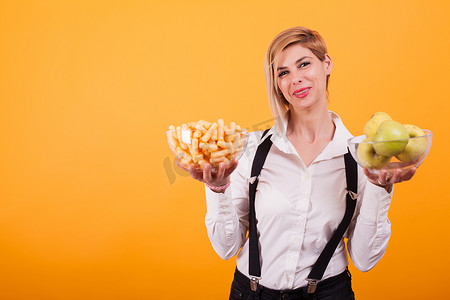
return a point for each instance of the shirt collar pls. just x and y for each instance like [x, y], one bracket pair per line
[336, 147]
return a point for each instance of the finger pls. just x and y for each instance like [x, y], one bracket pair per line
[382, 178]
[395, 176]
[220, 172]
[409, 174]
[207, 173]
[194, 173]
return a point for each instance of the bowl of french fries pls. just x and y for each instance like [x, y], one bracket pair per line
[198, 143]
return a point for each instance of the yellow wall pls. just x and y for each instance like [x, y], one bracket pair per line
[90, 204]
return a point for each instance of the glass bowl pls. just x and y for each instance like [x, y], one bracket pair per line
[195, 148]
[413, 155]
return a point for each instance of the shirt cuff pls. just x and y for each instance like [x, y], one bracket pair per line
[218, 204]
[375, 203]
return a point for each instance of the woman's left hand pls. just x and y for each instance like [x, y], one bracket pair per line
[386, 181]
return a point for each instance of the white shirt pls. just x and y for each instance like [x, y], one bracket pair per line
[297, 210]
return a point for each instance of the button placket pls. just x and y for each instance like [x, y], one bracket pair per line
[297, 230]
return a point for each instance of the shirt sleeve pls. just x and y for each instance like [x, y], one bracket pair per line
[227, 213]
[370, 230]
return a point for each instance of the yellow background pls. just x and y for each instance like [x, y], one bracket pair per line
[91, 206]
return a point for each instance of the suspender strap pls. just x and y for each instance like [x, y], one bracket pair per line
[258, 162]
[321, 264]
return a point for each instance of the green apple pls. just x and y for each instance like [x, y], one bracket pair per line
[393, 136]
[372, 125]
[416, 146]
[369, 158]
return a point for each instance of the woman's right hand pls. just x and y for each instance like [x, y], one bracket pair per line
[220, 178]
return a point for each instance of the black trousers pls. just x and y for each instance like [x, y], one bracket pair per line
[334, 288]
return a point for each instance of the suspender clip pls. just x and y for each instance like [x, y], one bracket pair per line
[353, 195]
[252, 180]
[254, 281]
[312, 285]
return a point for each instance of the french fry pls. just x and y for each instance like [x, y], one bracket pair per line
[218, 160]
[214, 135]
[239, 142]
[198, 143]
[219, 153]
[232, 126]
[202, 163]
[208, 146]
[197, 157]
[207, 136]
[172, 139]
[232, 137]
[226, 145]
[194, 146]
[179, 133]
[206, 124]
[185, 162]
[181, 154]
[197, 134]
[220, 129]
[200, 127]
[173, 144]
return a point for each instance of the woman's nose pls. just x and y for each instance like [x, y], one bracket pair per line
[296, 78]
[296, 81]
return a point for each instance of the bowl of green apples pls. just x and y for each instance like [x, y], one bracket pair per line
[389, 145]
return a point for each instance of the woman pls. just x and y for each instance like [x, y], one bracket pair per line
[301, 194]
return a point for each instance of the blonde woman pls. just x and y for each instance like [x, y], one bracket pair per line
[300, 192]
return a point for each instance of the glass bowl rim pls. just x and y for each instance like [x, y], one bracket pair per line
[428, 133]
[235, 131]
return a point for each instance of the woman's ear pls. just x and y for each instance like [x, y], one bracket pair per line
[328, 64]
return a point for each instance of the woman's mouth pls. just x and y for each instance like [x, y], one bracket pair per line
[301, 92]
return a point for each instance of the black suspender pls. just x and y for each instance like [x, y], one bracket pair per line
[321, 264]
[351, 172]
[254, 265]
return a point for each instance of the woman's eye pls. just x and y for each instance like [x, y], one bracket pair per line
[282, 73]
[304, 64]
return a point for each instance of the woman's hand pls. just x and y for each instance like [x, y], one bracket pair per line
[385, 181]
[220, 178]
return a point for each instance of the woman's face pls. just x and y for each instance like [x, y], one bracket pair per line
[302, 77]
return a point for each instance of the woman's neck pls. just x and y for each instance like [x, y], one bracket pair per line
[310, 125]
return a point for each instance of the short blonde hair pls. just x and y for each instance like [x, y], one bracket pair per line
[309, 39]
